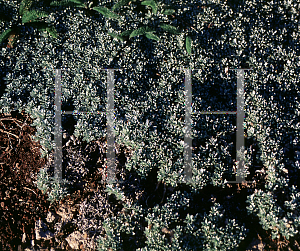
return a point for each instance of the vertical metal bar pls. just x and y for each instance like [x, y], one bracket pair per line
[58, 130]
[111, 166]
[188, 161]
[240, 138]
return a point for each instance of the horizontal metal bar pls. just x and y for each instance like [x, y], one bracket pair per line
[242, 181]
[98, 112]
[241, 69]
[216, 112]
[113, 69]
[77, 112]
[108, 69]
[180, 68]
[158, 67]
[52, 69]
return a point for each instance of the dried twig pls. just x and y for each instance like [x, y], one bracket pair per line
[24, 123]
[9, 133]
[13, 120]
[30, 190]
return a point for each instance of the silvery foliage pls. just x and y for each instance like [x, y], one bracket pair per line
[85, 86]
[152, 147]
[271, 93]
[32, 88]
[42, 181]
[263, 204]
[190, 232]
[167, 143]
[159, 220]
[217, 237]
[126, 223]
[273, 108]
[94, 213]
[55, 188]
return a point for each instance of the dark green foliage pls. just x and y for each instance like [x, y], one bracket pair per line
[30, 17]
[123, 36]
[165, 10]
[170, 28]
[52, 31]
[126, 33]
[33, 15]
[121, 3]
[106, 12]
[24, 6]
[141, 31]
[110, 14]
[73, 3]
[116, 36]
[150, 35]
[188, 42]
[5, 35]
[152, 4]
[168, 12]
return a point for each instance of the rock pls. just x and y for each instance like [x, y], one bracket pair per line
[65, 135]
[256, 244]
[50, 217]
[65, 212]
[92, 243]
[75, 239]
[41, 231]
[23, 238]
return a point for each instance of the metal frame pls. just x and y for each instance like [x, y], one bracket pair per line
[188, 163]
[240, 138]
[110, 156]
